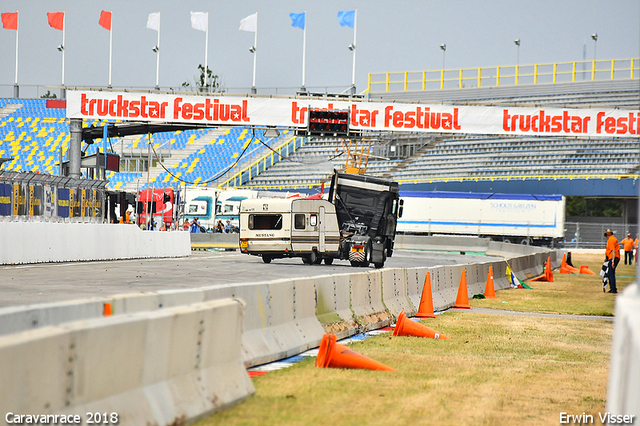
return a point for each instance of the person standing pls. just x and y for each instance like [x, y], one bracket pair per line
[612, 257]
[635, 246]
[627, 243]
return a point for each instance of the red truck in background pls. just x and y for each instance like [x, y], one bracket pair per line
[161, 202]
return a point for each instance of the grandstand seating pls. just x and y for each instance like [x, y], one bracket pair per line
[32, 135]
[488, 157]
[312, 164]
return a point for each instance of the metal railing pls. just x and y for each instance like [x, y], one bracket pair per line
[509, 75]
[246, 174]
[35, 197]
[518, 177]
[591, 235]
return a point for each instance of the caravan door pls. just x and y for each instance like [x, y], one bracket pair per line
[321, 230]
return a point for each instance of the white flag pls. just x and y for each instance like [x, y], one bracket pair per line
[153, 22]
[200, 21]
[250, 23]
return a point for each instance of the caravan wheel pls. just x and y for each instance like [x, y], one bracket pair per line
[266, 258]
[328, 260]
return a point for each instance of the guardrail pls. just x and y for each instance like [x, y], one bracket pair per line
[510, 75]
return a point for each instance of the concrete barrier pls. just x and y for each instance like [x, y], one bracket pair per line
[259, 342]
[14, 319]
[165, 367]
[214, 239]
[333, 305]
[395, 294]
[623, 394]
[37, 242]
[444, 287]
[415, 284]
[366, 301]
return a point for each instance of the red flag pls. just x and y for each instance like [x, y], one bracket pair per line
[10, 21]
[105, 20]
[56, 20]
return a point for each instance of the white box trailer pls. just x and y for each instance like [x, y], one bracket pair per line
[278, 228]
[515, 218]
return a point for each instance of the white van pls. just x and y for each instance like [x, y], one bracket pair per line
[277, 228]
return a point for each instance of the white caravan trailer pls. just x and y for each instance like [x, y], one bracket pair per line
[278, 228]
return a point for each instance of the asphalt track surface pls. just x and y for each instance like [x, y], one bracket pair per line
[54, 282]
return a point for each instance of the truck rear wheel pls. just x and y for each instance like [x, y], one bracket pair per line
[328, 260]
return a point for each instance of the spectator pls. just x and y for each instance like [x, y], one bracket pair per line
[635, 246]
[612, 257]
[627, 243]
[219, 227]
[229, 228]
[195, 226]
[152, 225]
[186, 225]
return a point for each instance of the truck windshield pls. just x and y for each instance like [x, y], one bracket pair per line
[265, 221]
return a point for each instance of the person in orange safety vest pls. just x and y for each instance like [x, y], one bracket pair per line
[612, 257]
[627, 243]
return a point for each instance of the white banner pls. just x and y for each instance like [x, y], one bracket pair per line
[381, 116]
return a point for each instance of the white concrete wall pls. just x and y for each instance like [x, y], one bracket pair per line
[164, 367]
[623, 396]
[37, 242]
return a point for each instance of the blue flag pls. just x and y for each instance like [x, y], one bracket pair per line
[298, 19]
[347, 18]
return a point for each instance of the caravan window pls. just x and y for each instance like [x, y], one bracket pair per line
[299, 221]
[193, 208]
[265, 221]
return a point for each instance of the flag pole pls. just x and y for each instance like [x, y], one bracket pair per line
[353, 76]
[255, 55]
[110, 45]
[158, 56]
[206, 55]
[15, 84]
[304, 50]
[64, 29]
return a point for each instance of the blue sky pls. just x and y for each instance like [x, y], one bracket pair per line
[392, 36]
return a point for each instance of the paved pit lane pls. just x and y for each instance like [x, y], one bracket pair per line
[42, 283]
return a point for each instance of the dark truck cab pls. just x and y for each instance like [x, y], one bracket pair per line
[367, 208]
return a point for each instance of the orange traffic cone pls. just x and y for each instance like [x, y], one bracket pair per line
[584, 269]
[567, 266]
[406, 327]
[426, 302]
[334, 355]
[107, 309]
[564, 268]
[548, 275]
[462, 300]
[489, 289]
